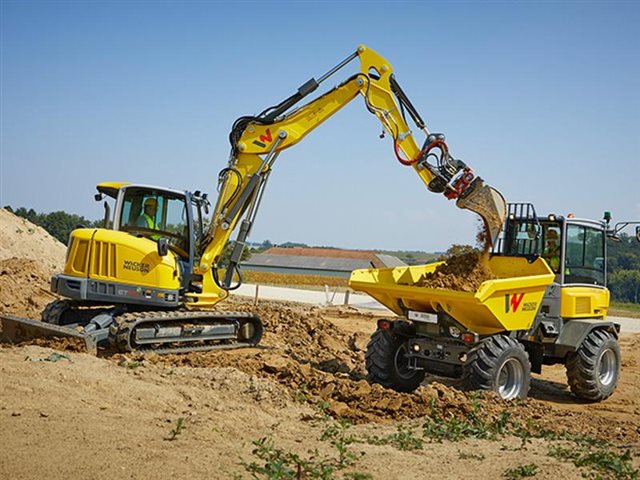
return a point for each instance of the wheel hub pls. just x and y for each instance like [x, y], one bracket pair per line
[510, 379]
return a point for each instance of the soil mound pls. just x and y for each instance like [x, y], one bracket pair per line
[323, 364]
[24, 287]
[22, 239]
[28, 258]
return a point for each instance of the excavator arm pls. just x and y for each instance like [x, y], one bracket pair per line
[256, 142]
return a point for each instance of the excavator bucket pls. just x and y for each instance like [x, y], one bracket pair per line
[487, 202]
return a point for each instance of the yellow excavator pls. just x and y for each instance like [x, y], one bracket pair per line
[149, 278]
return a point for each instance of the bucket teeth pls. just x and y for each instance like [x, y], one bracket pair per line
[487, 202]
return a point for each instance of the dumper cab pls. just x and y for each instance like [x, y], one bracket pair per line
[546, 304]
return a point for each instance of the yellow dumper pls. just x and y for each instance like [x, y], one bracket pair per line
[527, 316]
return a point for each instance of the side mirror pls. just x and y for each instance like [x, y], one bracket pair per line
[638, 234]
[163, 247]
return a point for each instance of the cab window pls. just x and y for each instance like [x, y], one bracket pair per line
[156, 214]
[584, 255]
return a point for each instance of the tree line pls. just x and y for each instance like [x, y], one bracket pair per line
[623, 267]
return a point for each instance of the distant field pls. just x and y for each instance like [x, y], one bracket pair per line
[621, 309]
[292, 280]
[413, 257]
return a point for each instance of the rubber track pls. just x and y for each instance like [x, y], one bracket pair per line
[121, 330]
[54, 310]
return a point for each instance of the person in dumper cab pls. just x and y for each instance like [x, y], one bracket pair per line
[552, 250]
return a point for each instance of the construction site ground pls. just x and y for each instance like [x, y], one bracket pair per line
[300, 400]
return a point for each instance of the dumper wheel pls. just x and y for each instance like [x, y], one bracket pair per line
[501, 364]
[54, 312]
[387, 364]
[593, 370]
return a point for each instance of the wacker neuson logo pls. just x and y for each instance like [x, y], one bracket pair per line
[136, 266]
[513, 301]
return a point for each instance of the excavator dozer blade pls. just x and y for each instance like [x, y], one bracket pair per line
[17, 329]
[487, 202]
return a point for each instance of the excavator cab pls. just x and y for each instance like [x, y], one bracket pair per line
[169, 217]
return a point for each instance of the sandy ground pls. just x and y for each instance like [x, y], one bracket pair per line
[66, 414]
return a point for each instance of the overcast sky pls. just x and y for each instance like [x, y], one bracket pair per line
[541, 98]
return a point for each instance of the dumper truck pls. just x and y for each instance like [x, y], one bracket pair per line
[545, 306]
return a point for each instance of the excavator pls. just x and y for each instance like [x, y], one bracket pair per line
[148, 280]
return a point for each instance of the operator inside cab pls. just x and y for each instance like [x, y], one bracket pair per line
[552, 249]
[148, 217]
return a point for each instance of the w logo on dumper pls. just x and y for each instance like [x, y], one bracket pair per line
[513, 301]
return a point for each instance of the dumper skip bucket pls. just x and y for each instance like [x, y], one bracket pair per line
[508, 302]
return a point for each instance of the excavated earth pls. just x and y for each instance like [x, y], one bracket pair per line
[66, 414]
[464, 272]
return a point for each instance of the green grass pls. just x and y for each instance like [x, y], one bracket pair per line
[624, 309]
[177, 430]
[521, 471]
[600, 463]
[275, 463]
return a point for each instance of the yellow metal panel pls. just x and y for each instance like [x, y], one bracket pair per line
[136, 261]
[78, 253]
[115, 256]
[111, 188]
[583, 302]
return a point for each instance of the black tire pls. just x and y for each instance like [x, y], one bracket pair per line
[387, 365]
[54, 311]
[594, 369]
[501, 364]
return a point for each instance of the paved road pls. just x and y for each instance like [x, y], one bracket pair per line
[314, 297]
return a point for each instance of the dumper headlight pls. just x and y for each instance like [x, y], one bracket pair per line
[454, 331]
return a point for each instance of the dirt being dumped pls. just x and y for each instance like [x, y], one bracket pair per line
[466, 269]
[464, 272]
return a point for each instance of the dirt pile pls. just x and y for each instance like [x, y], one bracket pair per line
[323, 364]
[24, 240]
[464, 272]
[28, 258]
[24, 287]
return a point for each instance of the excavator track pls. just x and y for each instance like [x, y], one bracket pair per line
[182, 332]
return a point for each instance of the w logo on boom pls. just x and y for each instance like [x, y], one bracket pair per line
[264, 139]
[512, 302]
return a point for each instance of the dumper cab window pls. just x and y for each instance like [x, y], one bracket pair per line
[156, 214]
[585, 255]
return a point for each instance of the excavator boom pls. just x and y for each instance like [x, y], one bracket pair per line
[256, 141]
